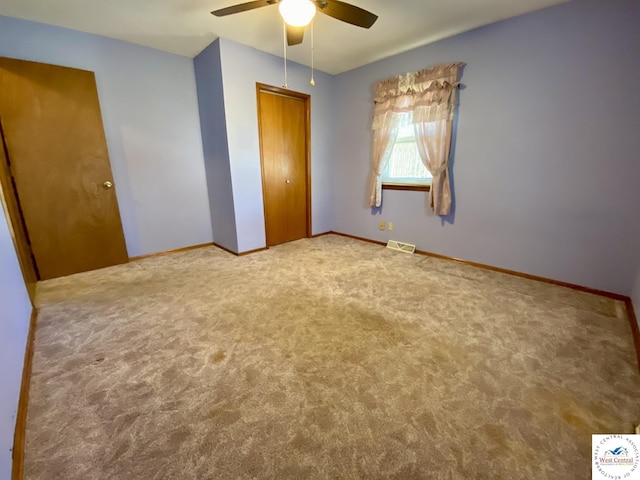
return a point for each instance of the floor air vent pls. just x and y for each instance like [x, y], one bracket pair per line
[401, 247]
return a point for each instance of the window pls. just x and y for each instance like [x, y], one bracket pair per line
[427, 101]
[405, 168]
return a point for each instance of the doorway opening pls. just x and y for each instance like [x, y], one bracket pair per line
[55, 173]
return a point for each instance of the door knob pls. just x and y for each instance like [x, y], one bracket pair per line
[288, 181]
[107, 184]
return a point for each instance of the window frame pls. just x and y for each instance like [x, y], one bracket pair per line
[406, 187]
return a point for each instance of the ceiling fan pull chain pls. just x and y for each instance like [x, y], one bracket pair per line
[284, 31]
[313, 22]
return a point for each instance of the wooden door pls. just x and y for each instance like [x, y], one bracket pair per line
[60, 165]
[284, 148]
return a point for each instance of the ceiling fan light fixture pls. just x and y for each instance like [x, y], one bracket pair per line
[297, 13]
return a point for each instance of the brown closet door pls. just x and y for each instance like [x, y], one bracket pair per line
[59, 161]
[283, 145]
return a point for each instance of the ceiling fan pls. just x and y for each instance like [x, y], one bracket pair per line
[298, 13]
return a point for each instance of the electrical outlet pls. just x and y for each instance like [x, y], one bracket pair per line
[389, 226]
[381, 225]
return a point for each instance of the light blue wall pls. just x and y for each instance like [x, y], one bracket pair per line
[546, 163]
[242, 67]
[208, 70]
[15, 310]
[150, 114]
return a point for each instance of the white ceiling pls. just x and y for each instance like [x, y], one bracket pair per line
[186, 27]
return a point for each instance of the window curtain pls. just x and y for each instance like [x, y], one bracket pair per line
[384, 138]
[427, 99]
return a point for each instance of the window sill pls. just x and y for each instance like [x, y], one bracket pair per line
[413, 188]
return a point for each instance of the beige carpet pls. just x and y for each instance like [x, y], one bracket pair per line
[327, 358]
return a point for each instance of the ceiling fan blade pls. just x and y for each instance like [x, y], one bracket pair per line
[346, 12]
[243, 7]
[294, 35]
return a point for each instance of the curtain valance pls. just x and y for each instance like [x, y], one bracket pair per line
[428, 95]
[437, 102]
[415, 82]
